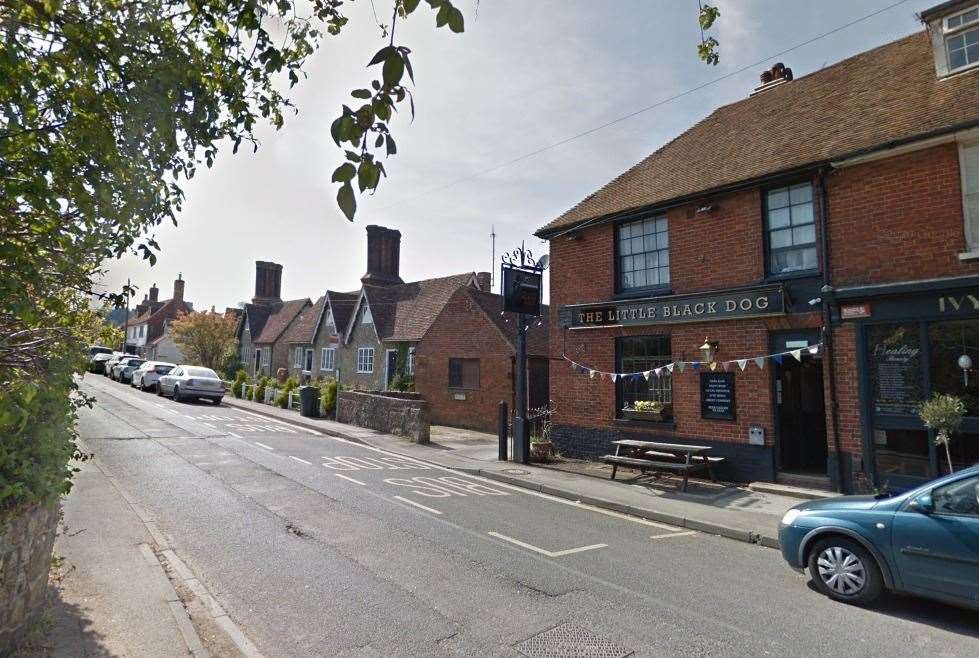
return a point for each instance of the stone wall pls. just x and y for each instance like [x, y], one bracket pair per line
[26, 541]
[409, 417]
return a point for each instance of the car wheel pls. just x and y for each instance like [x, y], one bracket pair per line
[216, 401]
[176, 394]
[843, 570]
[159, 390]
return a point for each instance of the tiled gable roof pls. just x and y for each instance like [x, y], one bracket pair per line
[342, 305]
[280, 319]
[169, 309]
[303, 328]
[537, 331]
[404, 312]
[256, 315]
[885, 95]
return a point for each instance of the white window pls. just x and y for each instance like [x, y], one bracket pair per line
[327, 358]
[365, 359]
[962, 39]
[266, 352]
[298, 360]
[142, 330]
[411, 360]
[329, 319]
[308, 360]
[969, 165]
[366, 318]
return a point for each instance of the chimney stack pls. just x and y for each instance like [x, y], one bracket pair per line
[178, 289]
[268, 282]
[773, 77]
[484, 281]
[154, 293]
[383, 256]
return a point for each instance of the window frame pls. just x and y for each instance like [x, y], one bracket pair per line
[332, 360]
[266, 356]
[308, 359]
[971, 241]
[297, 356]
[639, 291]
[411, 361]
[949, 33]
[619, 384]
[766, 232]
[461, 384]
[938, 511]
[368, 359]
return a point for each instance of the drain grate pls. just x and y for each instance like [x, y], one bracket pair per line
[570, 641]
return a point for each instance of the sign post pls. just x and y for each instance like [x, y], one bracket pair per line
[522, 277]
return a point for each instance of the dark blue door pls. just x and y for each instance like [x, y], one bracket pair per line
[936, 547]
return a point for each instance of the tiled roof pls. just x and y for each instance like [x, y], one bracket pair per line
[406, 311]
[342, 304]
[537, 331]
[888, 94]
[303, 328]
[169, 309]
[279, 320]
[256, 316]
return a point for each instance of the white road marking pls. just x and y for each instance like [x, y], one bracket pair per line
[262, 445]
[531, 547]
[234, 435]
[350, 479]
[209, 425]
[300, 460]
[674, 534]
[175, 413]
[418, 505]
[297, 427]
[191, 417]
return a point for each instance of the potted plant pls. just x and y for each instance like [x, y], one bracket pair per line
[541, 448]
[651, 410]
[943, 414]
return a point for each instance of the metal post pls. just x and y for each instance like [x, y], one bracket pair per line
[521, 447]
[125, 328]
[501, 429]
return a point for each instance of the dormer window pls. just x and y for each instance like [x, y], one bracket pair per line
[366, 317]
[962, 39]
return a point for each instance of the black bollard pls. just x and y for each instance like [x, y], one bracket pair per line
[501, 425]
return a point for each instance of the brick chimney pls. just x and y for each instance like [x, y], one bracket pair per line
[268, 283]
[773, 77]
[178, 289]
[484, 281]
[383, 256]
[154, 293]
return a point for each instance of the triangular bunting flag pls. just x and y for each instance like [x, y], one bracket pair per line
[797, 354]
[726, 365]
[592, 373]
[814, 349]
[647, 374]
[713, 366]
[680, 365]
[760, 362]
[742, 363]
[659, 372]
[777, 358]
[696, 366]
[669, 366]
[613, 376]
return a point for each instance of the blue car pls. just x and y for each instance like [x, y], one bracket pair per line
[923, 542]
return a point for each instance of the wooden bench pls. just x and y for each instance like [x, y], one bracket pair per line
[685, 458]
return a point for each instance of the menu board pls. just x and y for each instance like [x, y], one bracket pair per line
[895, 368]
[717, 395]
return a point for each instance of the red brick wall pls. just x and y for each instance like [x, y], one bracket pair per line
[847, 393]
[898, 219]
[462, 330]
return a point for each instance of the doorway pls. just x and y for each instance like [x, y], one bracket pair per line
[390, 368]
[800, 407]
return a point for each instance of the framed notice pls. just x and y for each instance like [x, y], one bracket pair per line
[717, 401]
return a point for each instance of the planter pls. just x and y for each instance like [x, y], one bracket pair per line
[541, 451]
[649, 416]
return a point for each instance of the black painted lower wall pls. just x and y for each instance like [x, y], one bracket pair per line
[743, 462]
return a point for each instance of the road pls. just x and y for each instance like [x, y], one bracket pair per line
[318, 546]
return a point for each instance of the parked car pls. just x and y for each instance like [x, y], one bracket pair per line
[120, 364]
[97, 363]
[923, 542]
[123, 372]
[185, 382]
[146, 376]
[113, 361]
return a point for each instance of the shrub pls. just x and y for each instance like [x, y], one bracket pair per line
[328, 397]
[943, 413]
[232, 366]
[654, 406]
[282, 399]
[258, 393]
[241, 377]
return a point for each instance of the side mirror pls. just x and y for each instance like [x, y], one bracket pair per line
[923, 504]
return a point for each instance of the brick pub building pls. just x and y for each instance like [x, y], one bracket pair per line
[835, 216]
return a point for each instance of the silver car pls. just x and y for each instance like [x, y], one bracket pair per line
[124, 368]
[146, 376]
[188, 382]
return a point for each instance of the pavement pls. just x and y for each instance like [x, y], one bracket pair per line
[730, 511]
[309, 544]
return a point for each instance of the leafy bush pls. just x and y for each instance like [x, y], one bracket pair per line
[232, 366]
[328, 397]
[282, 399]
[943, 413]
[241, 377]
[654, 406]
[258, 393]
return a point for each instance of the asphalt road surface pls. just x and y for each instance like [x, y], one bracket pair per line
[318, 546]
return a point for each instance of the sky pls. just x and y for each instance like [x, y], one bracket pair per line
[524, 75]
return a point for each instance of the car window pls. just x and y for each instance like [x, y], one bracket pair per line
[961, 497]
[163, 370]
[201, 372]
[176, 372]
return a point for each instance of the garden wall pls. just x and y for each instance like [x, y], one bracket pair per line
[407, 416]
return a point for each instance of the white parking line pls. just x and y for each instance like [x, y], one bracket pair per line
[531, 547]
[209, 425]
[674, 534]
[418, 505]
[234, 435]
[350, 479]
[262, 445]
[300, 460]
[276, 420]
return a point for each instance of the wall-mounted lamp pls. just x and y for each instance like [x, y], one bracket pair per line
[708, 350]
[706, 210]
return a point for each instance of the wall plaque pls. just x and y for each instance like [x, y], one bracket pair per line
[717, 400]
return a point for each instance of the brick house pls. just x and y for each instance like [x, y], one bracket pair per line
[832, 219]
[263, 322]
[163, 348]
[152, 315]
[328, 333]
[464, 363]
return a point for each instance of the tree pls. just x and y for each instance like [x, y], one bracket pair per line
[205, 338]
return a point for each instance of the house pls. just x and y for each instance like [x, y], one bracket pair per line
[389, 316]
[464, 363]
[163, 348]
[791, 275]
[263, 322]
[297, 340]
[329, 331]
[152, 315]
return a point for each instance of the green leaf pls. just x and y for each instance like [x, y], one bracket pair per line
[382, 109]
[347, 201]
[347, 125]
[361, 93]
[344, 173]
[442, 17]
[394, 69]
[411, 5]
[379, 141]
[392, 148]
[365, 173]
[353, 157]
[382, 55]
[456, 21]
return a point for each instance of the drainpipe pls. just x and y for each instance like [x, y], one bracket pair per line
[826, 293]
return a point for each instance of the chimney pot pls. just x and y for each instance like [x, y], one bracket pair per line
[383, 256]
[154, 293]
[268, 282]
[178, 289]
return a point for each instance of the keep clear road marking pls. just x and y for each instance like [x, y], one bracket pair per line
[234, 435]
[276, 420]
[674, 534]
[350, 479]
[530, 547]
[300, 460]
[262, 445]
[418, 505]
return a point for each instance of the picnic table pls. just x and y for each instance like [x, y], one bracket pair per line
[679, 457]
